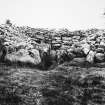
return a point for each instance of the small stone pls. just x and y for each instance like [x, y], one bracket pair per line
[96, 45]
[24, 56]
[100, 50]
[102, 43]
[98, 40]
[93, 37]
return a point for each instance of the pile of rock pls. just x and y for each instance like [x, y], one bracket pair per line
[92, 47]
[89, 44]
[21, 48]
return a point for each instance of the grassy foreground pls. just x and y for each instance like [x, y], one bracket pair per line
[64, 85]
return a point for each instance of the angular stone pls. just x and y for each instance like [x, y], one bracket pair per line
[93, 37]
[86, 48]
[90, 57]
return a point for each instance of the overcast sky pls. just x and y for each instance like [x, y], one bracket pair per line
[72, 14]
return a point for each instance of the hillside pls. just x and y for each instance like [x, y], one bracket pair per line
[51, 67]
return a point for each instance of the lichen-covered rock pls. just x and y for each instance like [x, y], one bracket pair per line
[23, 56]
[98, 40]
[93, 37]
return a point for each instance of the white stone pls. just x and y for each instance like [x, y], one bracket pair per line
[86, 48]
[90, 57]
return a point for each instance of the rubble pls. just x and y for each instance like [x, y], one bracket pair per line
[82, 43]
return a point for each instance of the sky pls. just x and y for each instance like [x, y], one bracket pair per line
[71, 14]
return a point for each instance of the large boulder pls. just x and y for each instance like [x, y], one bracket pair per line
[24, 56]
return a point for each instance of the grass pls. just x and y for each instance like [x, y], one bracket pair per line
[65, 85]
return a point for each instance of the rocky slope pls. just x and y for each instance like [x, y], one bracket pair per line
[76, 73]
[24, 44]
